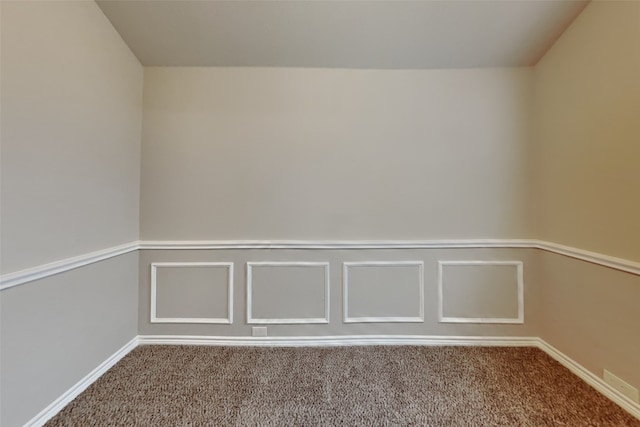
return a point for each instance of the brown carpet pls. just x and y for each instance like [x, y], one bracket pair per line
[340, 386]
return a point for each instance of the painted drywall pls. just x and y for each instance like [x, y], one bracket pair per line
[57, 330]
[586, 150]
[71, 126]
[590, 313]
[71, 129]
[586, 186]
[394, 292]
[261, 153]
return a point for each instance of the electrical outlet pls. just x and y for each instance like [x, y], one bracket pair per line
[622, 386]
[259, 331]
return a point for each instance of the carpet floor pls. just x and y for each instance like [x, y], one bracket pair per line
[340, 386]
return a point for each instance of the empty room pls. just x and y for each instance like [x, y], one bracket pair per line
[319, 213]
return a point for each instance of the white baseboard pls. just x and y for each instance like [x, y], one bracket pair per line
[57, 405]
[593, 380]
[340, 340]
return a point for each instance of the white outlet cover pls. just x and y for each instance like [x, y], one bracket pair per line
[622, 386]
[259, 331]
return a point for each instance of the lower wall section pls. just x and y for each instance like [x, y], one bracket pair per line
[480, 292]
[60, 332]
[592, 314]
[58, 329]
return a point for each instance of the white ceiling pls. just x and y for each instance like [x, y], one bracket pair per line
[341, 33]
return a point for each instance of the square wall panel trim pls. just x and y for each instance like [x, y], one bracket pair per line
[285, 294]
[469, 300]
[157, 266]
[415, 299]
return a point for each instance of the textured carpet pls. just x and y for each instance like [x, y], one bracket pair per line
[340, 386]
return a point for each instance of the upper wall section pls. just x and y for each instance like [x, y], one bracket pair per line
[267, 153]
[587, 147]
[71, 126]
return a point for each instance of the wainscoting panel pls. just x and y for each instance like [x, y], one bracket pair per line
[192, 292]
[287, 292]
[480, 292]
[382, 291]
[301, 292]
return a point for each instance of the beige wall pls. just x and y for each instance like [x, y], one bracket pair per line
[586, 186]
[590, 313]
[587, 145]
[259, 153]
[71, 126]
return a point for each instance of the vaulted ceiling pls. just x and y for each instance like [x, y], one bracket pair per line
[341, 33]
